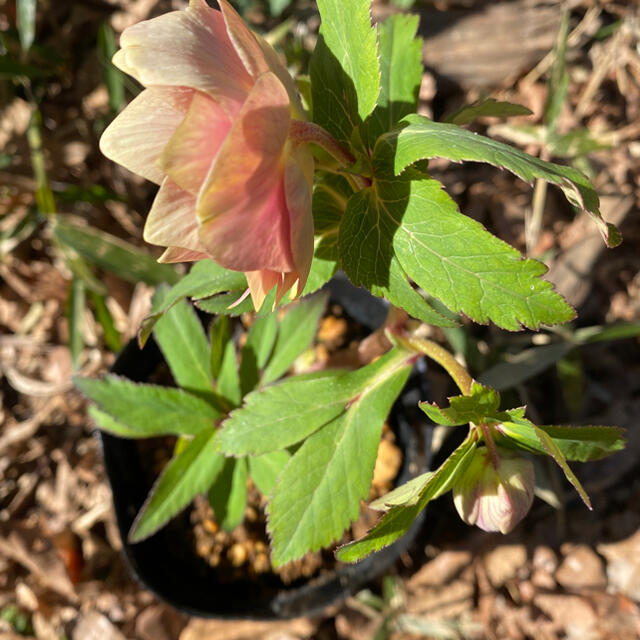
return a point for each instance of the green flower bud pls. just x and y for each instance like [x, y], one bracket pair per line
[494, 499]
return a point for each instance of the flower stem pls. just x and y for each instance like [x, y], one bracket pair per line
[309, 132]
[434, 351]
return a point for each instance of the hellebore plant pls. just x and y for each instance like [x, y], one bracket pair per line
[272, 195]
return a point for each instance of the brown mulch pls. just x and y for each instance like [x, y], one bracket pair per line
[563, 574]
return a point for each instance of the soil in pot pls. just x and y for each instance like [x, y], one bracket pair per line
[221, 574]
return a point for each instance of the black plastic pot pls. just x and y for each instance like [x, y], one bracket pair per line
[166, 562]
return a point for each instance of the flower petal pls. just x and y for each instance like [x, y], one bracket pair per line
[186, 48]
[188, 156]
[172, 220]
[242, 206]
[178, 254]
[244, 41]
[136, 138]
[298, 182]
[262, 282]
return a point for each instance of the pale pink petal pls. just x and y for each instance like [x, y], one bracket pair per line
[262, 282]
[178, 254]
[298, 181]
[242, 206]
[172, 220]
[188, 156]
[244, 41]
[136, 138]
[186, 48]
[276, 65]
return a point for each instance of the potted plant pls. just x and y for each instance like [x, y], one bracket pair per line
[270, 195]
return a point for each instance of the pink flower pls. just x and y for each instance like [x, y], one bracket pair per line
[495, 499]
[212, 128]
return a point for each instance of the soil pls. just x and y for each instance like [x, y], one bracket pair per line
[563, 574]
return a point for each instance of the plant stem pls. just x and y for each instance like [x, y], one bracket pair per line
[434, 351]
[494, 455]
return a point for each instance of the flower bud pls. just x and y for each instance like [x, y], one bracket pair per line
[494, 499]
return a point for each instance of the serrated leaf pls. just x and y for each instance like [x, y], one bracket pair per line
[219, 335]
[228, 494]
[554, 451]
[297, 330]
[149, 410]
[524, 365]
[228, 381]
[188, 474]
[400, 54]
[114, 255]
[487, 108]
[108, 423]
[205, 279]
[551, 448]
[450, 256]
[581, 444]
[398, 519]
[321, 483]
[283, 414]
[257, 349]
[265, 469]
[482, 402]
[345, 72]
[422, 139]
[185, 347]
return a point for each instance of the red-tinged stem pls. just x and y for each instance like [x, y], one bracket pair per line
[487, 435]
[311, 133]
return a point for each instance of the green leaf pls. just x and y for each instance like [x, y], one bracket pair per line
[205, 279]
[108, 423]
[558, 84]
[257, 349]
[297, 330]
[26, 22]
[228, 494]
[10, 68]
[448, 255]
[220, 334]
[475, 408]
[345, 72]
[548, 445]
[188, 474]
[524, 365]
[149, 410]
[265, 469]
[488, 108]
[554, 451]
[113, 254]
[75, 315]
[113, 77]
[185, 347]
[283, 414]
[111, 335]
[422, 138]
[318, 494]
[396, 522]
[400, 55]
[581, 444]
[228, 382]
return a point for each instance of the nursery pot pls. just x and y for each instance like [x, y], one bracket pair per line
[167, 564]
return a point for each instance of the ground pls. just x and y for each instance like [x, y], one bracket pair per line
[564, 573]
